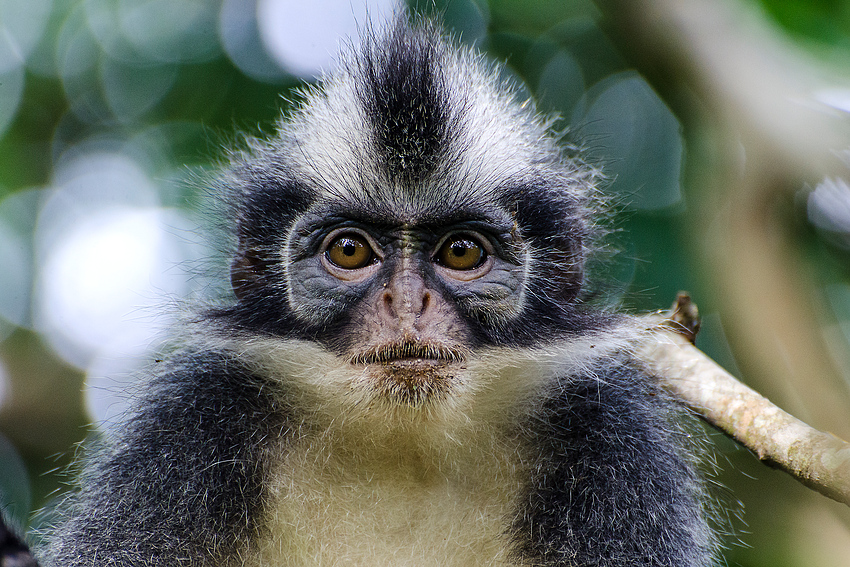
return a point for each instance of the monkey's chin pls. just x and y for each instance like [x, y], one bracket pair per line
[413, 381]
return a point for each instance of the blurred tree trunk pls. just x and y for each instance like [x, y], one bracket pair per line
[757, 135]
[752, 95]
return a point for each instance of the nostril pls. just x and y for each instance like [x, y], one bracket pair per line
[387, 300]
[426, 301]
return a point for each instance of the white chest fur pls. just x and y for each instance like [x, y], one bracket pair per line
[393, 504]
[363, 481]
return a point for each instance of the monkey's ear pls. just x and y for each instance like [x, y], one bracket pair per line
[247, 271]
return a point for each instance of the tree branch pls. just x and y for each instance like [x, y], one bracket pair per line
[817, 459]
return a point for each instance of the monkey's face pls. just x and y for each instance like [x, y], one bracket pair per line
[401, 297]
[408, 215]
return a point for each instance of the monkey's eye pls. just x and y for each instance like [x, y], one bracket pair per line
[461, 252]
[350, 251]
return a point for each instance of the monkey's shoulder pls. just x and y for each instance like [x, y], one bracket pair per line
[181, 478]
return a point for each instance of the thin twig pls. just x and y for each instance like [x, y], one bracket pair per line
[817, 459]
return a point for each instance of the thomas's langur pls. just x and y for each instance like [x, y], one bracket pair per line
[408, 372]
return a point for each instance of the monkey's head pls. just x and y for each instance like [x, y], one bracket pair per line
[410, 211]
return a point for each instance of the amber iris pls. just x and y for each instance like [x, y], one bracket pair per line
[461, 253]
[350, 251]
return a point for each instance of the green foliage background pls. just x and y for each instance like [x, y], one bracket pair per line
[581, 62]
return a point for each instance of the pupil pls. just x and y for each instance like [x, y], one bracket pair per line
[458, 250]
[349, 249]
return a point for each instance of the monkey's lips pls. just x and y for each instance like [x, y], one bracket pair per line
[411, 372]
[407, 354]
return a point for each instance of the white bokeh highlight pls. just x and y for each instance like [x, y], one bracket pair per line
[110, 264]
[829, 206]
[835, 97]
[98, 281]
[154, 30]
[22, 23]
[304, 37]
[240, 39]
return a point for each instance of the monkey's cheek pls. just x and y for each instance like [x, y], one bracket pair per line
[413, 382]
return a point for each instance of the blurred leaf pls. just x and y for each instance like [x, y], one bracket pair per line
[467, 18]
[561, 83]
[825, 21]
[539, 15]
[11, 88]
[629, 130]
[15, 496]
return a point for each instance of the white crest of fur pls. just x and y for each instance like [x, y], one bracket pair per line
[494, 137]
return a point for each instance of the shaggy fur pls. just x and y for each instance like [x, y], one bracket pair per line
[291, 428]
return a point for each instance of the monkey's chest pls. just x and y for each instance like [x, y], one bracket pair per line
[388, 513]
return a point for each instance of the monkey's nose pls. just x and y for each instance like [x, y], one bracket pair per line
[406, 299]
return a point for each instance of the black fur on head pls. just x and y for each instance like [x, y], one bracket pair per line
[404, 96]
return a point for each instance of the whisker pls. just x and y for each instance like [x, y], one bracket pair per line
[407, 349]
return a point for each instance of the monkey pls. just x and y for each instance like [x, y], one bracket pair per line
[410, 370]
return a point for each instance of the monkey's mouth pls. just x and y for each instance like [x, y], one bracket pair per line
[409, 353]
[410, 372]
